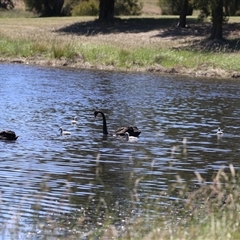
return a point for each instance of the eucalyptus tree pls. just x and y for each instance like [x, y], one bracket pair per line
[109, 8]
[231, 7]
[213, 8]
[106, 10]
[218, 10]
[183, 14]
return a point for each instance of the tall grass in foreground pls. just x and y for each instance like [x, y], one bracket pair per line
[198, 211]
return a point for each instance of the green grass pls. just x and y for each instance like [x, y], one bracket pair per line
[119, 56]
[37, 37]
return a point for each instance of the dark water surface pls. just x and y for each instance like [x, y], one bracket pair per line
[44, 174]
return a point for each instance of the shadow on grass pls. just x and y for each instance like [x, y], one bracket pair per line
[214, 46]
[195, 33]
[130, 25]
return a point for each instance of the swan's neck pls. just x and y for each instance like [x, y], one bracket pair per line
[104, 124]
[127, 137]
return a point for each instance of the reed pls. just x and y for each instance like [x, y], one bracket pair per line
[195, 209]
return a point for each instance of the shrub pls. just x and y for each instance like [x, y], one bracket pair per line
[86, 8]
[128, 7]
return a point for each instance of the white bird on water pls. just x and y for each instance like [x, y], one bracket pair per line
[64, 132]
[74, 121]
[219, 131]
[130, 138]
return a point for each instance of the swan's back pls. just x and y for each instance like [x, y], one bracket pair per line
[8, 135]
[133, 131]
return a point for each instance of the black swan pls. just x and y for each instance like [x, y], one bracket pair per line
[63, 132]
[8, 135]
[133, 131]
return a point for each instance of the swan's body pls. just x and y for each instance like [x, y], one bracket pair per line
[130, 138]
[133, 131]
[74, 121]
[219, 131]
[8, 135]
[64, 132]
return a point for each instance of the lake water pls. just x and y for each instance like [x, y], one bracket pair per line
[46, 176]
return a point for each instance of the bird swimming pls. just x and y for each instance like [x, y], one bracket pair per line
[8, 135]
[130, 138]
[74, 121]
[219, 131]
[133, 131]
[64, 132]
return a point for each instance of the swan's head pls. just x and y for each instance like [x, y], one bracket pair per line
[219, 131]
[74, 121]
[95, 114]
[127, 135]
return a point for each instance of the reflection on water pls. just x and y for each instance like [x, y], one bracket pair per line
[44, 173]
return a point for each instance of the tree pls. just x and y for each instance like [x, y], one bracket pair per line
[217, 20]
[231, 7]
[213, 8]
[183, 14]
[106, 10]
[45, 8]
[6, 4]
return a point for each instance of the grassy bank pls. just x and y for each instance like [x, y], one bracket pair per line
[136, 44]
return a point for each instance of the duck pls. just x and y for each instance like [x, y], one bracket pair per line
[8, 135]
[219, 131]
[130, 138]
[74, 121]
[64, 132]
[133, 131]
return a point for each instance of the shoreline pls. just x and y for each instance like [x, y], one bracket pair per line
[78, 63]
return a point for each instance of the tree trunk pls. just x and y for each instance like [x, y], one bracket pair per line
[183, 14]
[217, 20]
[47, 9]
[106, 10]
[57, 7]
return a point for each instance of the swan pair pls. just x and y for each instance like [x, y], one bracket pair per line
[8, 135]
[132, 131]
